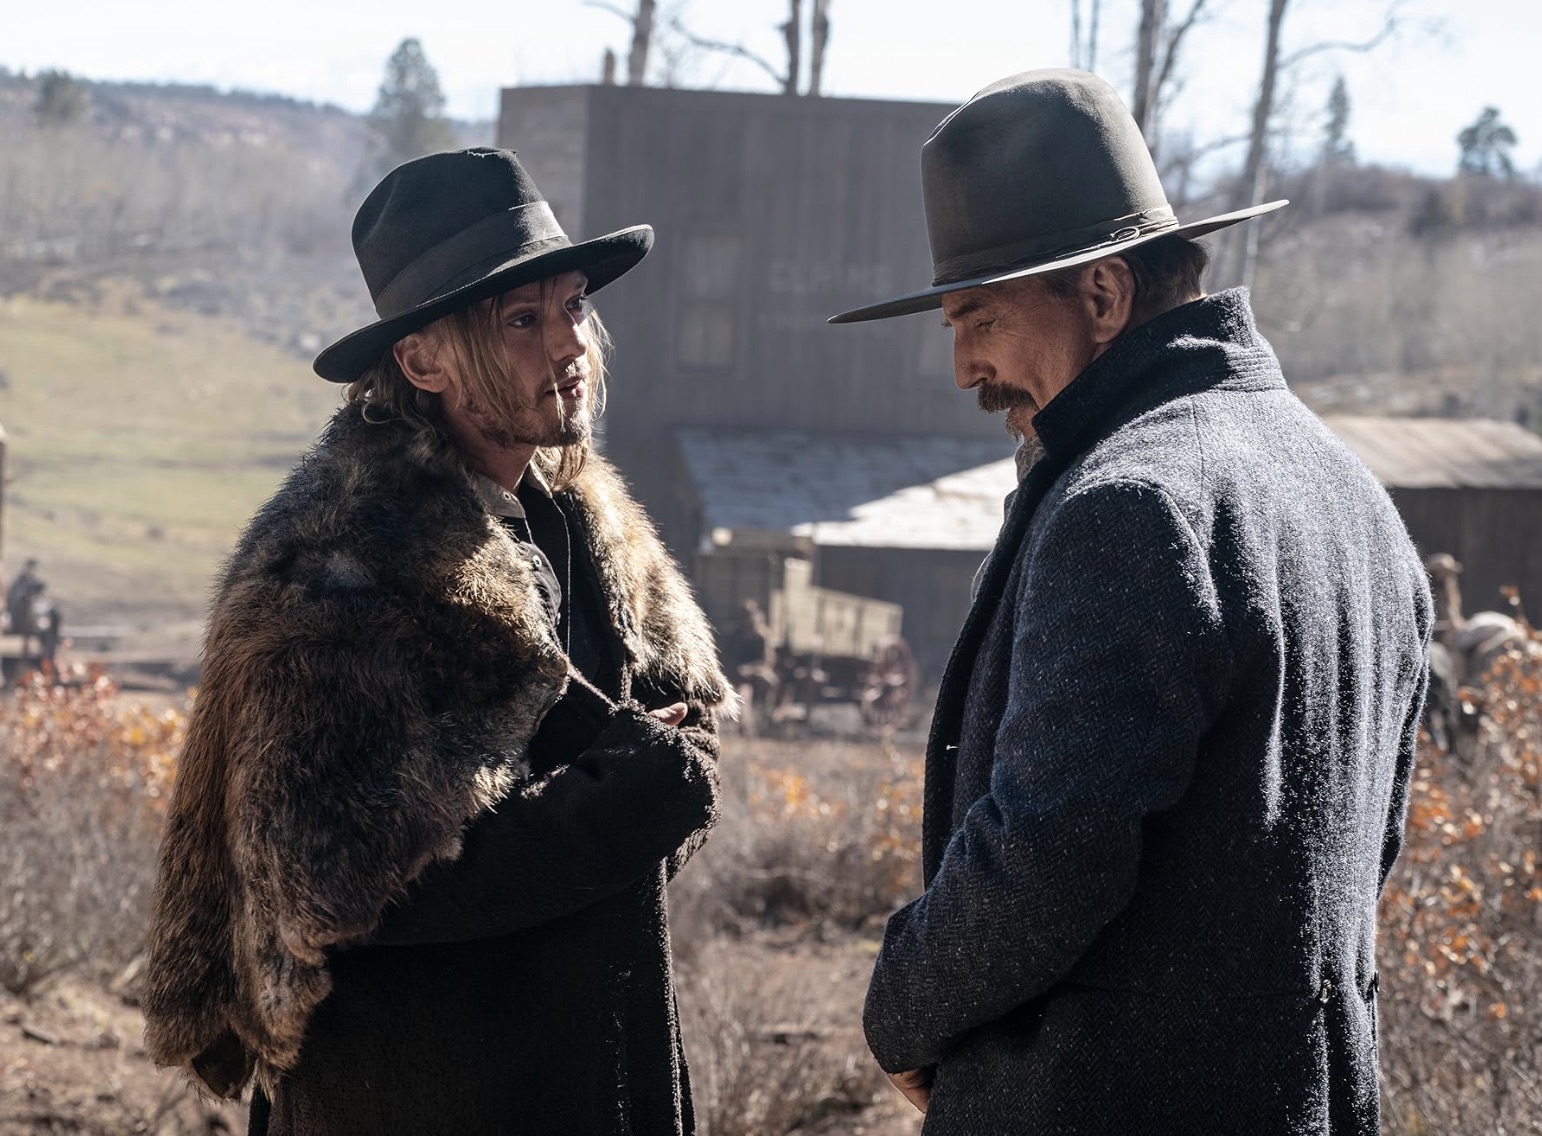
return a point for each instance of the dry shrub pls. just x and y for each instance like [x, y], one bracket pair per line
[811, 833]
[817, 839]
[1461, 946]
[764, 1061]
[83, 786]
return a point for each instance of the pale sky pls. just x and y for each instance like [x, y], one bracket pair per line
[1409, 97]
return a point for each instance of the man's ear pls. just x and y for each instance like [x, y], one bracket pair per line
[418, 357]
[1109, 292]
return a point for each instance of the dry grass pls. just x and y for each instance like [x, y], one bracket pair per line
[139, 442]
[775, 925]
[822, 832]
[1461, 947]
[83, 782]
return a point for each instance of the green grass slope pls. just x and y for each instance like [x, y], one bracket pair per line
[139, 440]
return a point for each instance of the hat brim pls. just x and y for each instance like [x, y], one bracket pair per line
[928, 299]
[602, 259]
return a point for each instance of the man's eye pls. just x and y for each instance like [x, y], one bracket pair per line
[523, 321]
[985, 325]
[578, 303]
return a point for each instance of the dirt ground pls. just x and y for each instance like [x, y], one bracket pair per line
[72, 1059]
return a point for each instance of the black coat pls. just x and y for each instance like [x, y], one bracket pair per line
[1168, 770]
[413, 872]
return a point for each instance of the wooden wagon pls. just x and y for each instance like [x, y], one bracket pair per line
[826, 646]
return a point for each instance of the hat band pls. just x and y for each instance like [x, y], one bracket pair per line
[515, 230]
[1021, 254]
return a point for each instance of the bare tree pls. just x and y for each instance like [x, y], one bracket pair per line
[642, 39]
[642, 22]
[1084, 49]
[1153, 14]
[792, 34]
[821, 32]
[792, 31]
[1252, 185]
[1158, 47]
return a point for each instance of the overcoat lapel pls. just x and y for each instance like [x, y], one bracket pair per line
[947, 721]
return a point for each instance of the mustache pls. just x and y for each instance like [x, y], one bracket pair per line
[578, 369]
[995, 397]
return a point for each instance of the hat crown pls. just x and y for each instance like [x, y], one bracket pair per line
[450, 230]
[1036, 165]
[429, 205]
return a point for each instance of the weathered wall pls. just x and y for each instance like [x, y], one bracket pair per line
[1495, 533]
[549, 127]
[772, 214]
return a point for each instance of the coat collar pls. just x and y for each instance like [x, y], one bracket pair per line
[1210, 343]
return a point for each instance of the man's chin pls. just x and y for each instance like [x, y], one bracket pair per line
[1019, 422]
[570, 430]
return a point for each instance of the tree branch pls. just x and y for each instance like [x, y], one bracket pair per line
[611, 8]
[1174, 42]
[736, 49]
[1390, 26]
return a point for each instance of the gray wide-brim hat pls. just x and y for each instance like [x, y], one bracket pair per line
[1040, 171]
[447, 231]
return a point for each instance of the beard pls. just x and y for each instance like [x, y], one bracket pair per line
[1019, 405]
[548, 421]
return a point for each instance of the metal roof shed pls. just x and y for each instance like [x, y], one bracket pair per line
[1470, 487]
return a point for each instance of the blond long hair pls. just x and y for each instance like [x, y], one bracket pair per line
[471, 335]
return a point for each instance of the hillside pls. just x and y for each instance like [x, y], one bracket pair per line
[171, 261]
[169, 264]
[140, 438]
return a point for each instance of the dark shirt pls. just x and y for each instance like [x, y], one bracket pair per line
[564, 576]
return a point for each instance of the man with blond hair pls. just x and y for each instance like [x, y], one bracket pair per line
[456, 721]
[1170, 759]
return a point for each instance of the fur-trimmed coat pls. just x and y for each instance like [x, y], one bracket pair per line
[357, 799]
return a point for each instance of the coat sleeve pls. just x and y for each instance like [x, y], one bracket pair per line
[632, 793]
[1119, 659]
[1408, 746]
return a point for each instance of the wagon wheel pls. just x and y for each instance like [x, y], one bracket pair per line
[887, 685]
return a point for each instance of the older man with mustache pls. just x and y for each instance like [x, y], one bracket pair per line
[1170, 759]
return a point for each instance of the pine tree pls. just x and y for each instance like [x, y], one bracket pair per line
[1486, 146]
[1337, 149]
[61, 99]
[408, 115]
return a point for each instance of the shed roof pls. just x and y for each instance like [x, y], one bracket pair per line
[1444, 453]
[938, 493]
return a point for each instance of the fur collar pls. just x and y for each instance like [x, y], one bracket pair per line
[376, 663]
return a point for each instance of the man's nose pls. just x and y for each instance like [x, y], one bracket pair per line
[567, 343]
[968, 373]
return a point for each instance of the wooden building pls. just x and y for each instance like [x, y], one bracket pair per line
[772, 213]
[1470, 487]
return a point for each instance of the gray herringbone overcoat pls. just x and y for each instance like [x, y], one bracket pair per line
[1168, 769]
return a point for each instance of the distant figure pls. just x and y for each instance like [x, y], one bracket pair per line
[749, 657]
[1475, 641]
[21, 604]
[1171, 754]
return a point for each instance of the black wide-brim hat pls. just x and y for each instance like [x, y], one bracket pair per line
[1040, 171]
[447, 231]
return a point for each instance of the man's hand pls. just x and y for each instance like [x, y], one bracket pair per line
[916, 1086]
[671, 715]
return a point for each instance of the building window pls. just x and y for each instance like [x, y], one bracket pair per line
[704, 335]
